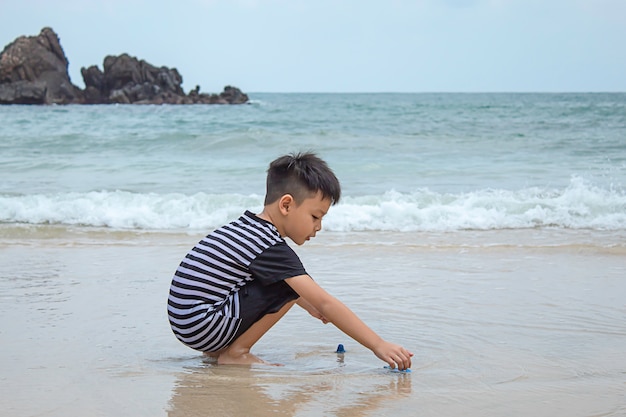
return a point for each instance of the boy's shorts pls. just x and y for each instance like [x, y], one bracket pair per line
[256, 300]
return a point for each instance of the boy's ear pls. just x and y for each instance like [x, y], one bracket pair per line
[285, 203]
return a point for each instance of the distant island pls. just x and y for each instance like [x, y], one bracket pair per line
[33, 70]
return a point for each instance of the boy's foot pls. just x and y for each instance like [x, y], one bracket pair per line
[244, 359]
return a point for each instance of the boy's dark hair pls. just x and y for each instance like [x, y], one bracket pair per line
[301, 175]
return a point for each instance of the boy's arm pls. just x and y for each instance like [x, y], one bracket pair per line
[341, 316]
[311, 310]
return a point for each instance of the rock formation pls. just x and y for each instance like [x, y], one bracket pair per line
[33, 70]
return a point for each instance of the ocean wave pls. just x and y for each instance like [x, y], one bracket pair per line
[580, 205]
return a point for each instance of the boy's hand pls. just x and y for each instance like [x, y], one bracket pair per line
[394, 355]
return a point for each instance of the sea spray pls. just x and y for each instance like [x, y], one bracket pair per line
[580, 205]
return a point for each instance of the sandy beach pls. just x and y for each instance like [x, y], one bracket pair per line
[501, 323]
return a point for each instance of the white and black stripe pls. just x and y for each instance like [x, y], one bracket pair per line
[203, 304]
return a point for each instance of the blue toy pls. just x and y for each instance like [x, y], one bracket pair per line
[406, 371]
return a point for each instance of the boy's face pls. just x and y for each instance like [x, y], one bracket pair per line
[303, 221]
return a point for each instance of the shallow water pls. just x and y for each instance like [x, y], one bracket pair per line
[500, 325]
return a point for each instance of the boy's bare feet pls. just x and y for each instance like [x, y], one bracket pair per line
[245, 358]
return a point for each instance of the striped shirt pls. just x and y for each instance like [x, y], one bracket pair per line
[203, 305]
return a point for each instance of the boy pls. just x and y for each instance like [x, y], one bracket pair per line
[238, 281]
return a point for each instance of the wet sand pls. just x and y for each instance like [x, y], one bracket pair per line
[501, 323]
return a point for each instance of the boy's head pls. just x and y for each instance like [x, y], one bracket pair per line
[302, 175]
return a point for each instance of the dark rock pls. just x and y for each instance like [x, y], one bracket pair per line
[233, 95]
[93, 77]
[33, 70]
[31, 64]
[23, 92]
[128, 80]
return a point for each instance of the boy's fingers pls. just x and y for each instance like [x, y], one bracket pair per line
[405, 359]
[400, 363]
[396, 356]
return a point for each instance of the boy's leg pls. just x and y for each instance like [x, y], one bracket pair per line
[238, 352]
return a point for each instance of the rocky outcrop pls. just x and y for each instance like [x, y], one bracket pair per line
[127, 80]
[33, 70]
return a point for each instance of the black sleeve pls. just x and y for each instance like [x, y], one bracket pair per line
[276, 263]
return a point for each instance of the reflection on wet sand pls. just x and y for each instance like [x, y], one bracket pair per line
[258, 391]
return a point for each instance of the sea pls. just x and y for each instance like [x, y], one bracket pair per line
[406, 162]
[486, 233]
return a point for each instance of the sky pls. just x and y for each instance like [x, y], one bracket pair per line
[345, 46]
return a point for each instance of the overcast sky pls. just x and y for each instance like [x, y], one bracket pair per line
[345, 46]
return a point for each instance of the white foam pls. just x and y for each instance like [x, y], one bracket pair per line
[579, 205]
